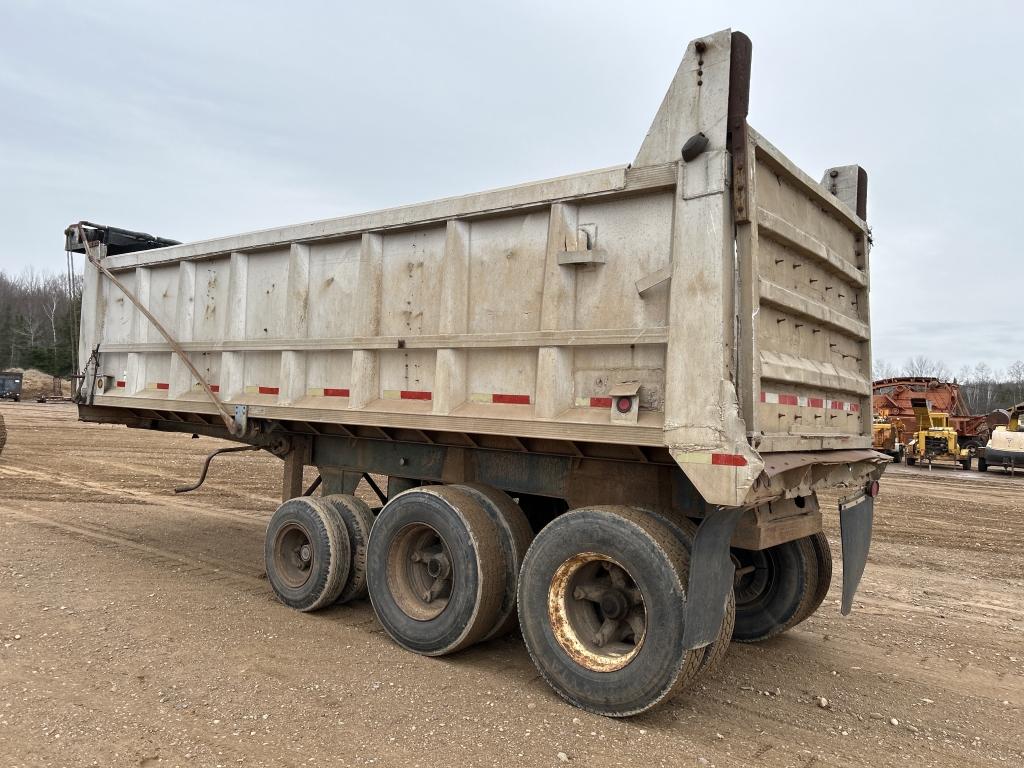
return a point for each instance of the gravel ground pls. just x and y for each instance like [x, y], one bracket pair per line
[137, 629]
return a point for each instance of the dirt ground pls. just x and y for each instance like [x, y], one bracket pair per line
[137, 629]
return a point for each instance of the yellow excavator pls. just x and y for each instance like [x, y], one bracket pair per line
[935, 441]
[1006, 446]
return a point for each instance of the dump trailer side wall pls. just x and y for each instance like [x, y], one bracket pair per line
[689, 304]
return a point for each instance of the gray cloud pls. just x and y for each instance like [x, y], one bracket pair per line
[192, 120]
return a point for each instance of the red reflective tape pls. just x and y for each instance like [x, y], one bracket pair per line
[215, 387]
[836, 405]
[728, 460]
[335, 392]
[764, 397]
[268, 390]
[162, 385]
[511, 399]
[855, 407]
[600, 402]
[412, 394]
[120, 384]
[816, 402]
[788, 400]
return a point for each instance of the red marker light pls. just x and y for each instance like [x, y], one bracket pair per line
[873, 488]
[624, 404]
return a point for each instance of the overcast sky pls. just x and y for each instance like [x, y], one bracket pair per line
[196, 119]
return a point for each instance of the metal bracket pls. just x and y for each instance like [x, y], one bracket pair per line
[711, 577]
[241, 419]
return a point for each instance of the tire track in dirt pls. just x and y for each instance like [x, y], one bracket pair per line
[156, 556]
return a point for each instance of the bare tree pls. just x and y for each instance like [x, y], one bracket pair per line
[920, 365]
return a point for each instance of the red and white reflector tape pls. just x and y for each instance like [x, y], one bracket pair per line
[600, 401]
[327, 392]
[776, 398]
[252, 389]
[708, 457]
[499, 398]
[407, 394]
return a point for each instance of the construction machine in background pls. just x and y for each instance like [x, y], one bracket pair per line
[935, 441]
[886, 437]
[891, 401]
[1006, 446]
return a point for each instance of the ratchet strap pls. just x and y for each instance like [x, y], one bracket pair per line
[229, 420]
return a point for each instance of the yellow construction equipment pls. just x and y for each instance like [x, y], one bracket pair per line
[885, 437]
[935, 440]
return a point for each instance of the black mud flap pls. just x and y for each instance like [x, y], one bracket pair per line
[855, 519]
[711, 578]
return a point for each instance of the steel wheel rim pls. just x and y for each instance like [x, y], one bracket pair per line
[597, 613]
[420, 572]
[754, 579]
[294, 555]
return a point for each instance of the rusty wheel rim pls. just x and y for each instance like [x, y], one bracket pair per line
[420, 572]
[597, 612]
[294, 555]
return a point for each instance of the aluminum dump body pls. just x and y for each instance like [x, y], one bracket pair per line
[711, 301]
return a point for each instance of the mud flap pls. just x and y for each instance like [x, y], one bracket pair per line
[855, 519]
[711, 578]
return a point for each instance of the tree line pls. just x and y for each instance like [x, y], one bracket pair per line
[983, 388]
[39, 321]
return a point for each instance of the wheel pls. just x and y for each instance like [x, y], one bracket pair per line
[514, 537]
[911, 461]
[816, 550]
[771, 587]
[685, 531]
[435, 571]
[966, 464]
[358, 520]
[601, 597]
[3, 433]
[307, 553]
[982, 464]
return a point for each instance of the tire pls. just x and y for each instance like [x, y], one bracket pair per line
[3, 433]
[911, 461]
[419, 536]
[982, 465]
[633, 566]
[966, 464]
[307, 553]
[685, 531]
[817, 551]
[358, 521]
[769, 598]
[514, 537]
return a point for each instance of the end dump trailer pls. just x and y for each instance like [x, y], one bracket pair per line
[604, 403]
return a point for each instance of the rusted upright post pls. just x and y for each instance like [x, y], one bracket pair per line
[295, 462]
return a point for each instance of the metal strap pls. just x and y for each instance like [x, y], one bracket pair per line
[228, 418]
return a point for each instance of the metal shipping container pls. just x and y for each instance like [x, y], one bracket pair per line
[647, 370]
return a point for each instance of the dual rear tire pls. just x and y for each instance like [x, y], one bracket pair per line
[600, 592]
[780, 587]
[440, 563]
